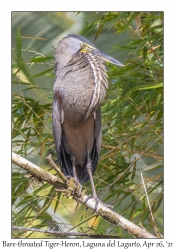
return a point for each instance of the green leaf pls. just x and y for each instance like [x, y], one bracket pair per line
[43, 73]
[22, 65]
[145, 50]
[57, 202]
[40, 59]
[18, 44]
[159, 85]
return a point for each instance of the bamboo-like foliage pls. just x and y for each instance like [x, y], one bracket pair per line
[132, 128]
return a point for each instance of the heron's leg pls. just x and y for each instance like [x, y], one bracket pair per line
[89, 170]
[94, 194]
[78, 185]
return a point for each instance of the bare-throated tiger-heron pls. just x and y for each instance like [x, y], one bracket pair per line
[80, 86]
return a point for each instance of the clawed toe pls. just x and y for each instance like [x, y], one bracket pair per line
[74, 187]
[77, 189]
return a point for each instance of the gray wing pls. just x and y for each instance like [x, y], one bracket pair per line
[63, 157]
[97, 143]
[56, 121]
[98, 130]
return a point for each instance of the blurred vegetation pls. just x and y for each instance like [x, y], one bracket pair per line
[132, 119]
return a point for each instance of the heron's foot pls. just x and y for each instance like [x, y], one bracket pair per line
[77, 188]
[74, 186]
[97, 201]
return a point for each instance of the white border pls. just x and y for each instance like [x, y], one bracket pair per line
[5, 94]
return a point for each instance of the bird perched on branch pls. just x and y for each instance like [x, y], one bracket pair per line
[80, 86]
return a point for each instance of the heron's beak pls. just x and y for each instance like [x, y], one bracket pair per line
[106, 58]
[88, 48]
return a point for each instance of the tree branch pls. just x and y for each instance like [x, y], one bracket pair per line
[102, 210]
[63, 234]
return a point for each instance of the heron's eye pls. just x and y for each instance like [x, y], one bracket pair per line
[86, 47]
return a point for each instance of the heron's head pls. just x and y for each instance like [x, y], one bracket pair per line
[72, 44]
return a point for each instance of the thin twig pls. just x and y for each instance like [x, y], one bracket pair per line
[147, 196]
[56, 168]
[152, 217]
[82, 222]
